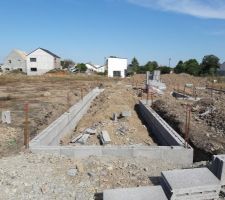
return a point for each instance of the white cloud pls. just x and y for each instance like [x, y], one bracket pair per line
[211, 9]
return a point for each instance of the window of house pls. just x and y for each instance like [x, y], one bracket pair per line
[34, 69]
[7, 69]
[116, 73]
[33, 59]
[10, 61]
[20, 69]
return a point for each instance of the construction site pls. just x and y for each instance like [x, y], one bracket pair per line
[81, 137]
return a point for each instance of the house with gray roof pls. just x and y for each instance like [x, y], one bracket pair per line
[16, 59]
[41, 61]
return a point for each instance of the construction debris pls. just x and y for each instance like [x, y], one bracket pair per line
[126, 114]
[115, 117]
[104, 137]
[72, 172]
[6, 117]
[91, 131]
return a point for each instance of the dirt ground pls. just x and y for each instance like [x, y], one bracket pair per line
[36, 176]
[48, 97]
[207, 129]
[116, 98]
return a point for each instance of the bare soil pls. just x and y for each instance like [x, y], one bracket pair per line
[206, 132]
[48, 97]
[129, 130]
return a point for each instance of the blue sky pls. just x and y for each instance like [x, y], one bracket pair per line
[90, 30]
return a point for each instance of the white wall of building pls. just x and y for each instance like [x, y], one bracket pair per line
[117, 65]
[91, 67]
[101, 69]
[15, 60]
[44, 62]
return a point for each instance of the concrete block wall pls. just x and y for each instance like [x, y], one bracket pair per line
[164, 134]
[48, 141]
[177, 155]
[65, 123]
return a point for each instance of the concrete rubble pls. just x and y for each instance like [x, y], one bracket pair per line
[190, 184]
[6, 117]
[126, 114]
[104, 137]
[90, 131]
[83, 139]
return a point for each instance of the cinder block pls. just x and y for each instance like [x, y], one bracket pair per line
[193, 184]
[139, 193]
[218, 167]
[104, 136]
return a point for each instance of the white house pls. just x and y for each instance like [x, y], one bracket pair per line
[117, 67]
[15, 60]
[41, 61]
[95, 68]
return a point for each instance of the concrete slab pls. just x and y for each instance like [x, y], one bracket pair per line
[199, 183]
[140, 193]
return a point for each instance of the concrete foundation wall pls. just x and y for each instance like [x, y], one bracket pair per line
[176, 155]
[173, 151]
[164, 134]
[65, 123]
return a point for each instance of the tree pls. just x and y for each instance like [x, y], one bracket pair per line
[210, 64]
[67, 63]
[81, 67]
[151, 66]
[179, 67]
[164, 69]
[135, 65]
[192, 67]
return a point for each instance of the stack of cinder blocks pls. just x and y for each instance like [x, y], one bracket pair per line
[218, 168]
[190, 184]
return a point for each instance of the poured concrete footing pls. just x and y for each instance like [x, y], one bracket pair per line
[139, 193]
[176, 155]
[48, 141]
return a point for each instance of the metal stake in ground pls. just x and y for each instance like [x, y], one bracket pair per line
[81, 93]
[187, 124]
[26, 123]
[147, 94]
[151, 98]
[68, 101]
